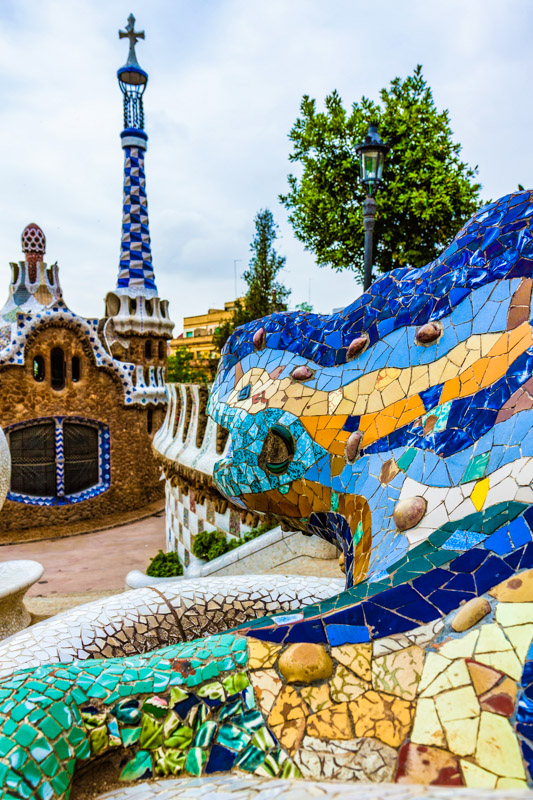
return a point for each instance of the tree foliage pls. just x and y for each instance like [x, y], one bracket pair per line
[428, 192]
[265, 293]
[181, 368]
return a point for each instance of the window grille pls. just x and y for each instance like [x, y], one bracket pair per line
[56, 461]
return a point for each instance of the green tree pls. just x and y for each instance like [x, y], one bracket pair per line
[428, 192]
[265, 294]
[182, 369]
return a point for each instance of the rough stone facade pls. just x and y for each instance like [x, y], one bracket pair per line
[98, 395]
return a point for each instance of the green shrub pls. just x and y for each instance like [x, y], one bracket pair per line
[209, 545]
[165, 565]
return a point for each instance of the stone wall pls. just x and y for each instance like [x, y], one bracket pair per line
[99, 396]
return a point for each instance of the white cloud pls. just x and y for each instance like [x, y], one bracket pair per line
[226, 79]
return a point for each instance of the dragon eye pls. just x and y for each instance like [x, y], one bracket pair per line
[278, 450]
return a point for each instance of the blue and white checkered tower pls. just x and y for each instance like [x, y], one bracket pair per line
[134, 305]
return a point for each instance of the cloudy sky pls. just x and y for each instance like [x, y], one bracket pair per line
[226, 80]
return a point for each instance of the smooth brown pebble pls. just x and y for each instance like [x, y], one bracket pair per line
[470, 613]
[357, 346]
[342, 563]
[409, 512]
[305, 662]
[302, 373]
[259, 338]
[352, 446]
[428, 333]
[518, 589]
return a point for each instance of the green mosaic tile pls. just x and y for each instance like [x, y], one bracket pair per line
[169, 762]
[194, 763]
[139, 767]
[62, 714]
[178, 736]
[235, 683]
[263, 739]
[205, 734]
[251, 720]
[130, 735]
[50, 766]
[230, 708]
[151, 733]
[62, 749]
[83, 750]
[6, 745]
[24, 735]
[60, 782]
[50, 728]
[251, 758]
[36, 716]
[231, 736]
[156, 706]
[40, 749]
[406, 459]
[9, 727]
[289, 770]
[214, 691]
[99, 739]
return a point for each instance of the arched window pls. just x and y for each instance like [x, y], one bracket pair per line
[148, 348]
[132, 303]
[149, 420]
[54, 460]
[161, 349]
[57, 368]
[38, 369]
[76, 369]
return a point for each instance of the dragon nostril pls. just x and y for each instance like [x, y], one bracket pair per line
[278, 450]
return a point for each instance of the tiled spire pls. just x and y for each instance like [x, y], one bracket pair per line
[136, 275]
[134, 306]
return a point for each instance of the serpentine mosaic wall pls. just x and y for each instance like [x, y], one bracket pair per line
[399, 428]
[188, 445]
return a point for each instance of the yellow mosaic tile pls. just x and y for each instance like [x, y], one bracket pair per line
[462, 647]
[511, 614]
[477, 778]
[518, 589]
[317, 697]
[331, 723]
[479, 493]
[497, 747]
[426, 727]
[399, 672]
[267, 685]
[346, 686]
[382, 716]
[457, 704]
[357, 657]
[461, 736]
[454, 676]
[262, 655]
[520, 637]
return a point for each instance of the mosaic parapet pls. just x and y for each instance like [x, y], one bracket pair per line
[188, 445]
[151, 617]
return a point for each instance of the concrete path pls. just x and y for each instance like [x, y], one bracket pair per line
[92, 562]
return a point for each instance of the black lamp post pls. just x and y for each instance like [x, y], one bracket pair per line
[372, 155]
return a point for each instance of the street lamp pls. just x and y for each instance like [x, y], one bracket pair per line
[372, 155]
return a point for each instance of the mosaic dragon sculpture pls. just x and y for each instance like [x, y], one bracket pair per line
[401, 429]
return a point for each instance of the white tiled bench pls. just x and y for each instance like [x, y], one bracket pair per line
[16, 577]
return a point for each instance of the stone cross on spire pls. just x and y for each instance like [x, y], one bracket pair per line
[133, 35]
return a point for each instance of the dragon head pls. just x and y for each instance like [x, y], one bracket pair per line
[395, 420]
